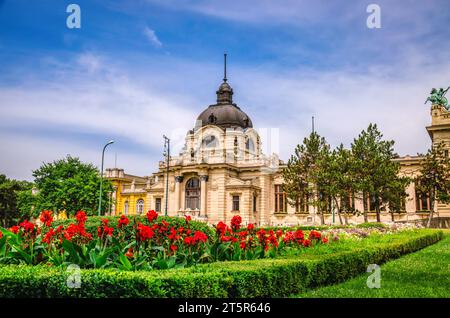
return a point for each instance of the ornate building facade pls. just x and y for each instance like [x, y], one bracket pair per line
[222, 171]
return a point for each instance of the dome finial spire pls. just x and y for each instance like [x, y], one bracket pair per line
[224, 67]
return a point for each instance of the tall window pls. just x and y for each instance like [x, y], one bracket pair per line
[301, 206]
[250, 145]
[280, 199]
[370, 202]
[254, 203]
[235, 203]
[126, 208]
[193, 194]
[325, 203]
[157, 204]
[139, 206]
[348, 203]
[422, 201]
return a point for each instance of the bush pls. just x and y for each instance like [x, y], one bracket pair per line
[259, 278]
[369, 225]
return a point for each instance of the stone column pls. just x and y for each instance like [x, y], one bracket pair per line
[203, 180]
[178, 180]
[114, 201]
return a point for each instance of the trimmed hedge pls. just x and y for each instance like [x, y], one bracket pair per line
[93, 222]
[259, 278]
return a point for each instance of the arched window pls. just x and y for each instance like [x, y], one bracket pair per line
[250, 145]
[125, 208]
[139, 206]
[193, 194]
[209, 142]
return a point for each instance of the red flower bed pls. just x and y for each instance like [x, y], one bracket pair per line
[150, 244]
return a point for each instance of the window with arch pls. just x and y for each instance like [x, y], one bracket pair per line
[126, 208]
[192, 194]
[250, 145]
[139, 206]
[209, 142]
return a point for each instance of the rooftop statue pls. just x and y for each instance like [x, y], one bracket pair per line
[437, 97]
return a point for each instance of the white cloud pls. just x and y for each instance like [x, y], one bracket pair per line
[151, 36]
[140, 106]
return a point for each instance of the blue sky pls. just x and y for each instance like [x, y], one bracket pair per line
[139, 69]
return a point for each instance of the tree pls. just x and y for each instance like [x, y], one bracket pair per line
[337, 179]
[9, 189]
[301, 173]
[375, 170]
[67, 184]
[434, 178]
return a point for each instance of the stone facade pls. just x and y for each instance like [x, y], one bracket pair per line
[221, 172]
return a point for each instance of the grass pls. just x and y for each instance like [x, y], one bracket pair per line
[425, 273]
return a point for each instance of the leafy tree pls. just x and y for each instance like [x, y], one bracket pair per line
[337, 179]
[67, 184]
[376, 171]
[301, 173]
[9, 189]
[434, 178]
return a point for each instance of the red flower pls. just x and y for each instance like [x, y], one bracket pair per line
[313, 235]
[49, 236]
[152, 215]
[250, 227]
[236, 222]
[224, 238]
[279, 233]
[173, 236]
[173, 248]
[144, 232]
[221, 228]
[70, 232]
[105, 222]
[129, 253]
[123, 221]
[46, 218]
[1, 234]
[324, 240]
[200, 237]
[59, 229]
[289, 237]
[27, 226]
[242, 245]
[164, 227]
[105, 230]
[306, 243]
[188, 240]
[81, 217]
[299, 236]
[242, 234]
[15, 229]
[76, 229]
[187, 218]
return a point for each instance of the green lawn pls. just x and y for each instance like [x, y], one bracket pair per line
[425, 273]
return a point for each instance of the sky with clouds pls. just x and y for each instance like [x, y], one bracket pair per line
[136, 70]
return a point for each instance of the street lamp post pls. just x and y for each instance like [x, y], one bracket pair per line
[167, 154]
[101, 177]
